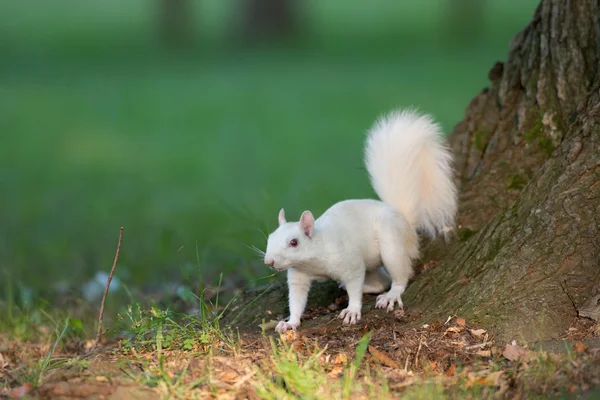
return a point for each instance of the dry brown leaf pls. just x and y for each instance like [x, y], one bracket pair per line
[341, 358]
[579, 347]
[514, 352]
[3, 362]
[484, 353]
[429, 264]
[101, 378]
[383, 358]
[298, 345]
[453, 329]
[229, 376]
[21, 391]
[336, 371]
[495, 378]
[290, 336]
[460, 322]
[451, 370]
[477, 332]
[472, 380]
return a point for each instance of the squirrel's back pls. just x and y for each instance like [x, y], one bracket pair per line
[410, 167]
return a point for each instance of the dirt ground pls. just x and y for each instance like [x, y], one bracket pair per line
[443, 359]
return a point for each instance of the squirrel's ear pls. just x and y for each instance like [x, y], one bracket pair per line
[281, 217]
[307, 223]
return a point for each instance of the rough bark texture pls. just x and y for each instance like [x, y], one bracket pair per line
[527, 253]
[528, 157]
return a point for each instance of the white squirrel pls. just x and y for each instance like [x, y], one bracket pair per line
[410, 168]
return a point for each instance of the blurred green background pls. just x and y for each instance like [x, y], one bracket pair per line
[192, 123]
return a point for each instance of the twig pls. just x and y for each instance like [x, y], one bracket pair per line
[477, 346]
[418, 351]
[244, 379]
[9, 375]
[112, 271]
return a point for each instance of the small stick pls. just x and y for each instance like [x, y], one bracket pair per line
[476, 346]
[418, 351]
[112, 271]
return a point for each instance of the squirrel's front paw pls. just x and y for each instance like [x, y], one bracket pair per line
[350, 316]
[283, 326]
[387, 300]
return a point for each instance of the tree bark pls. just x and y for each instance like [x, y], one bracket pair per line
[527, 252]
[528, 158]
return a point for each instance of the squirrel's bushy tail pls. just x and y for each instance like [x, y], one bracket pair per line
[410, 168]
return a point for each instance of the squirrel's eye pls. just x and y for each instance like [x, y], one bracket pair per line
[294, 242]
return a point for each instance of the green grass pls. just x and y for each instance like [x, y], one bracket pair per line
[100, 129]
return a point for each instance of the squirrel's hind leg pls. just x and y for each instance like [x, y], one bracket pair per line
[399, 246]
[377, 281]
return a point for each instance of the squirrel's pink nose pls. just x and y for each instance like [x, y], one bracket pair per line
[270, 262]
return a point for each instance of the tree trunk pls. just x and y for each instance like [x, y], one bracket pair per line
[527, 252]
[268, 19]
[528, 160]
[175, 22]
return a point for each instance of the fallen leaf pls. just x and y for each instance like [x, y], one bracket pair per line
[336, 371]
[229, 376]
[290, 336]
[21, 391]
[430, 264]
[89, 345]
[433, 365]
[399, 313]
[460, 322]
[472, 380]
[451, 370]
[101, 378]
[579, 347]
[298, 345]
[484, 353]
[514, 352]
[477, 332]
[495, 378]
[383, 358]
[341, 358]
[3, 362]
[453, 329]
